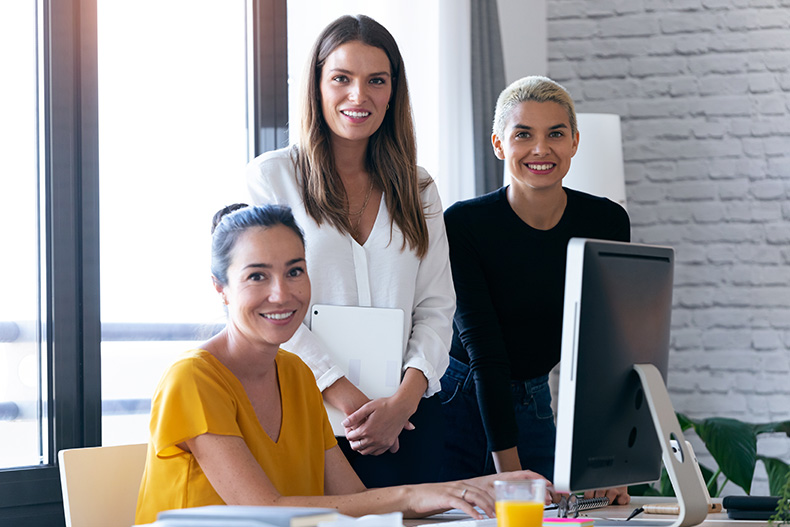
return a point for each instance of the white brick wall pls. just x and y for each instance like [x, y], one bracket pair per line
[703, 90]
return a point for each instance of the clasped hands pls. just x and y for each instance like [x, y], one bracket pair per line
[374, 428]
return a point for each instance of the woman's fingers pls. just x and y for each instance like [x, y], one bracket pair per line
[368, 448]
[616, 495]
[472, 496]
[487, 482]
[357, 418]
[375, 427]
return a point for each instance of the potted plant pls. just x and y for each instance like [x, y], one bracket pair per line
[782, 514]
[733, 445]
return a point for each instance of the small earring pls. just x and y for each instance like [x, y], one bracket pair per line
[388, 106]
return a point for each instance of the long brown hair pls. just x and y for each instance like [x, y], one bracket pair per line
[391, 157]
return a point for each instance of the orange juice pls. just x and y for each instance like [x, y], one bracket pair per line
[513, 513]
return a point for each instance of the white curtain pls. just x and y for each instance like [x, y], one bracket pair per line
[433, 36]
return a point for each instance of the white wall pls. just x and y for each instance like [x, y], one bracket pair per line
[524, 41]
[703, 89]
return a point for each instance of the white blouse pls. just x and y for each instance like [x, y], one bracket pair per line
[378, 273]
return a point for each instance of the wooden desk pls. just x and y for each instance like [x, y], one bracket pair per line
[622, 511]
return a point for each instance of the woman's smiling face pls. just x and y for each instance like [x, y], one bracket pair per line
[356, 85]
[268, 290]
[537, 144]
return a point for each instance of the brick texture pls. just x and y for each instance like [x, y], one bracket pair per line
[703, 90]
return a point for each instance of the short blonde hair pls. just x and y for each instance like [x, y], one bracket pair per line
[534, 88]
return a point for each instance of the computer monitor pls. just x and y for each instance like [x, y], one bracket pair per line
[615, 422]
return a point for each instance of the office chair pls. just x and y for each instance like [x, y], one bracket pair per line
[100, 484]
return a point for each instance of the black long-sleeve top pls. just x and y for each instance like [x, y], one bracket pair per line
[510, 283]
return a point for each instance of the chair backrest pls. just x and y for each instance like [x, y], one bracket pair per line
[100, 485]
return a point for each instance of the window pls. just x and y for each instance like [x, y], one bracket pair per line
[172, 151]
[56, 342]
[52, 102]
[21, 428]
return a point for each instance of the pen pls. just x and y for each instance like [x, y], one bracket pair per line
[636, 512]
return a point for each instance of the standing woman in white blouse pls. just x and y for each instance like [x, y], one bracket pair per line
[375, 237]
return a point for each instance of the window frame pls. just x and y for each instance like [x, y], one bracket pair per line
[69, 179]
[68, 175]
[267, 87]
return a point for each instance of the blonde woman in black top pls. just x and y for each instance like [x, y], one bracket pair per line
[507, 252]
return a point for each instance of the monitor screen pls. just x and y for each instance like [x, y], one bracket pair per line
[618, 302]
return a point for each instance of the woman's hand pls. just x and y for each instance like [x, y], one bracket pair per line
[616, 495]
[375, 427]
[433, 498]
[487, 482]
[466, 494]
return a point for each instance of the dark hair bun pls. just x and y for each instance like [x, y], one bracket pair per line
[224, 211]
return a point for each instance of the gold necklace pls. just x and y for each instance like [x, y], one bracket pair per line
[364, 203]
[358, 215]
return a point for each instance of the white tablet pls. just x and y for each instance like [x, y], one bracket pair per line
[367, 344]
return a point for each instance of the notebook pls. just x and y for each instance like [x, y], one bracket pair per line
[367, 344]
[244, 515]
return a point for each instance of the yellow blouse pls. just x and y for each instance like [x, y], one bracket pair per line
[199, 395]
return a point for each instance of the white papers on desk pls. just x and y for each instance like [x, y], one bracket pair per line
[469, 522]
[257, 516]
[394, 519]
[245, 516]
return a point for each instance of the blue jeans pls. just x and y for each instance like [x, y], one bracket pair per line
[466, 452]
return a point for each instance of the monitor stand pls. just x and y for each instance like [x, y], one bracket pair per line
[681, 466]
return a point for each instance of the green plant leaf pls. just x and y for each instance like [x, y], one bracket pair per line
[733, 444]
[665, 484]
[662, 487]
[782, 427]
[684, 421]
[782, 514]
[778, 472]
[643, 489]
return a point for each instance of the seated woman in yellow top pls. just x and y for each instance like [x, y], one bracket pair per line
[240, 421]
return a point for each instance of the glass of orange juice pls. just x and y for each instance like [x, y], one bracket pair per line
[519, 503]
